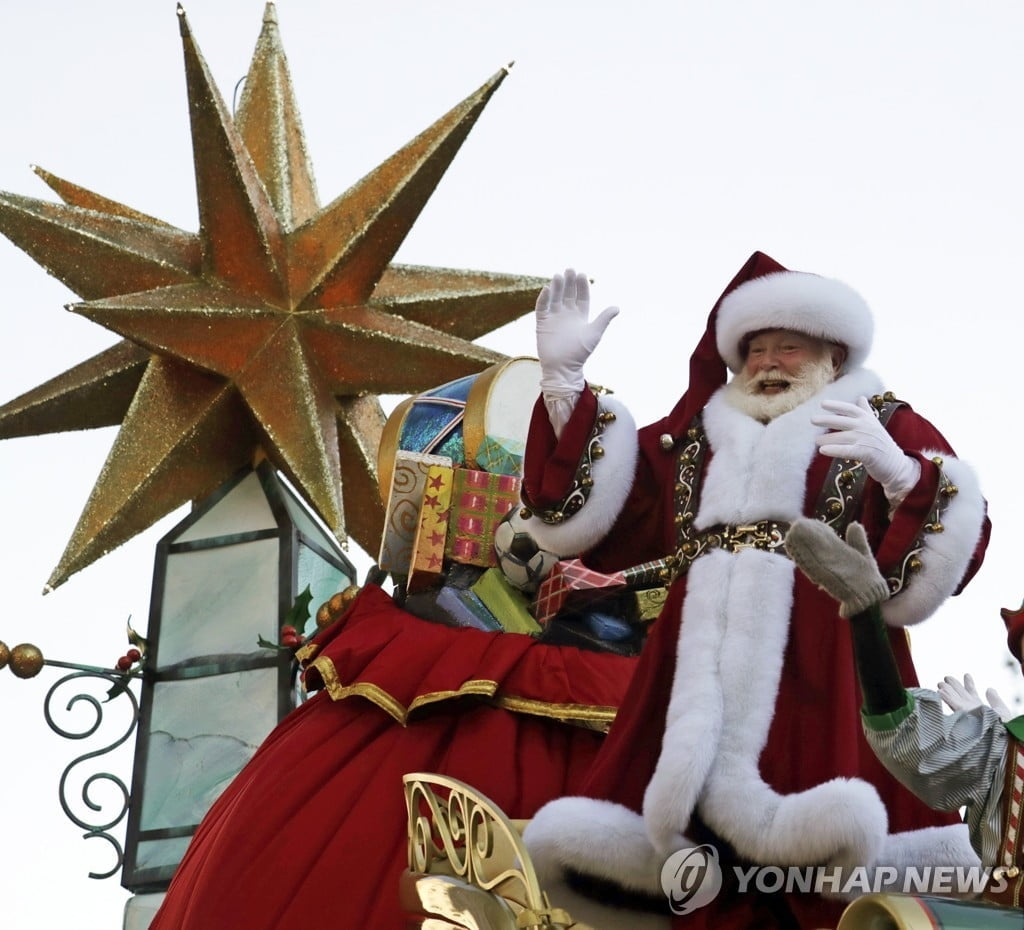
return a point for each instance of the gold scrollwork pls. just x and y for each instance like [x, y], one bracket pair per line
[455, 831]
[583, 480]
[845, 483]
[911, 563]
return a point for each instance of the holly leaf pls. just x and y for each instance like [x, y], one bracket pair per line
[298, 616]
[119, 687]
[139, 642]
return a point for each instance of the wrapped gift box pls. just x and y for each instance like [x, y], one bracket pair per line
[509, 606]
[452, 607]
[649, 602]
[432, 530]
[501, 456]
[572, 584]
[405, 500]
[479, 501]
[468, 608]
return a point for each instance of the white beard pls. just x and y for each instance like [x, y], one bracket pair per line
[741, 392]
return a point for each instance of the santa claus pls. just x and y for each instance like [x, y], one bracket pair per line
[741, 727]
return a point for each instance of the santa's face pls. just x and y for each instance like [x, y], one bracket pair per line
[776, 358]
[782, 369]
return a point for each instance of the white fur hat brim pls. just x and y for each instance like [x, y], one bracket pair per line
[807, 303]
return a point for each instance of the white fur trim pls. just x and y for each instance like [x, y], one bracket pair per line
[944, 556]
[841, 822]
[719, 713]
[759, 470]
[928, 848]
[594, 838]
[807, 303]
[935, 846]
[732, 600]
[613, 475]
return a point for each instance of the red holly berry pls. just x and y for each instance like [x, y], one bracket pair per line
[133, 654]
[287, 630]
[124, 663]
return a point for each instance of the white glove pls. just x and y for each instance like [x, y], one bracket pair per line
[965, 697]
[565, 335]
[860, 435]
[999, 706]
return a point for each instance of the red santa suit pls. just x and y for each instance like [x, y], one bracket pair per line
[741, 726]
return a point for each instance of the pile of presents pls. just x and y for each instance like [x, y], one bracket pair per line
[439, 547]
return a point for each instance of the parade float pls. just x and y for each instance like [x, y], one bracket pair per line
[246, 385]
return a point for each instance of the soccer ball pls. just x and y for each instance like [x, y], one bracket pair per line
[523, 563]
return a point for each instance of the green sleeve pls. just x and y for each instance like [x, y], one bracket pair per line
[892, 719]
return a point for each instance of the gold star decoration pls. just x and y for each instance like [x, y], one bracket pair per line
[271, 331]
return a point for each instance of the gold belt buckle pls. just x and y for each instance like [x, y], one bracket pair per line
[750, 536]
[765, 535]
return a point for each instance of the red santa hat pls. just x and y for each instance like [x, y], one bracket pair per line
[766, 295]
[806, 303]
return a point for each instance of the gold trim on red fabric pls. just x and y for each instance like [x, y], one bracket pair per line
[593, 716]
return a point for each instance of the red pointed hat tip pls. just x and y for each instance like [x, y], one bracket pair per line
[1009, 615]
[1014, 620]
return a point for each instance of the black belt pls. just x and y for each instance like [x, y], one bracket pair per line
[766, 535]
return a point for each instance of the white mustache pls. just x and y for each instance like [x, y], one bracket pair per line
[773, 375]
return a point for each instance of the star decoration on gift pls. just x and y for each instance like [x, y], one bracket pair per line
[270, 331]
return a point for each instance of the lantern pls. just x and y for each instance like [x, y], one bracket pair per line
[225, 578]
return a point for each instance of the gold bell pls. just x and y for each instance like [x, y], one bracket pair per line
[666, 440]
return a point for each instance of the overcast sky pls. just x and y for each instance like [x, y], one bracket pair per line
[652, 145]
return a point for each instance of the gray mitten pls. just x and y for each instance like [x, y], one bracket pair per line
[846, 570]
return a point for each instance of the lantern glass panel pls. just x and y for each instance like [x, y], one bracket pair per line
[162, 853]
[244, 509]
[198, 741]
[304, 521]
[217, 602]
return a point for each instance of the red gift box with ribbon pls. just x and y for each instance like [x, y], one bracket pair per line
[572, 584]
[479, 501]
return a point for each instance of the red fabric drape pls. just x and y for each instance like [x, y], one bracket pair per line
[312, 832]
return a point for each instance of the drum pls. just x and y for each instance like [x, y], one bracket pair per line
[479, 421]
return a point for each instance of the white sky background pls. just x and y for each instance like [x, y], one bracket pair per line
[653, 145]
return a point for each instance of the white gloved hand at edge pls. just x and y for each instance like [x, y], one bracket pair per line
[566, 336]
[959, 696]
[999, 705]
[965, 697]
[858, 434]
